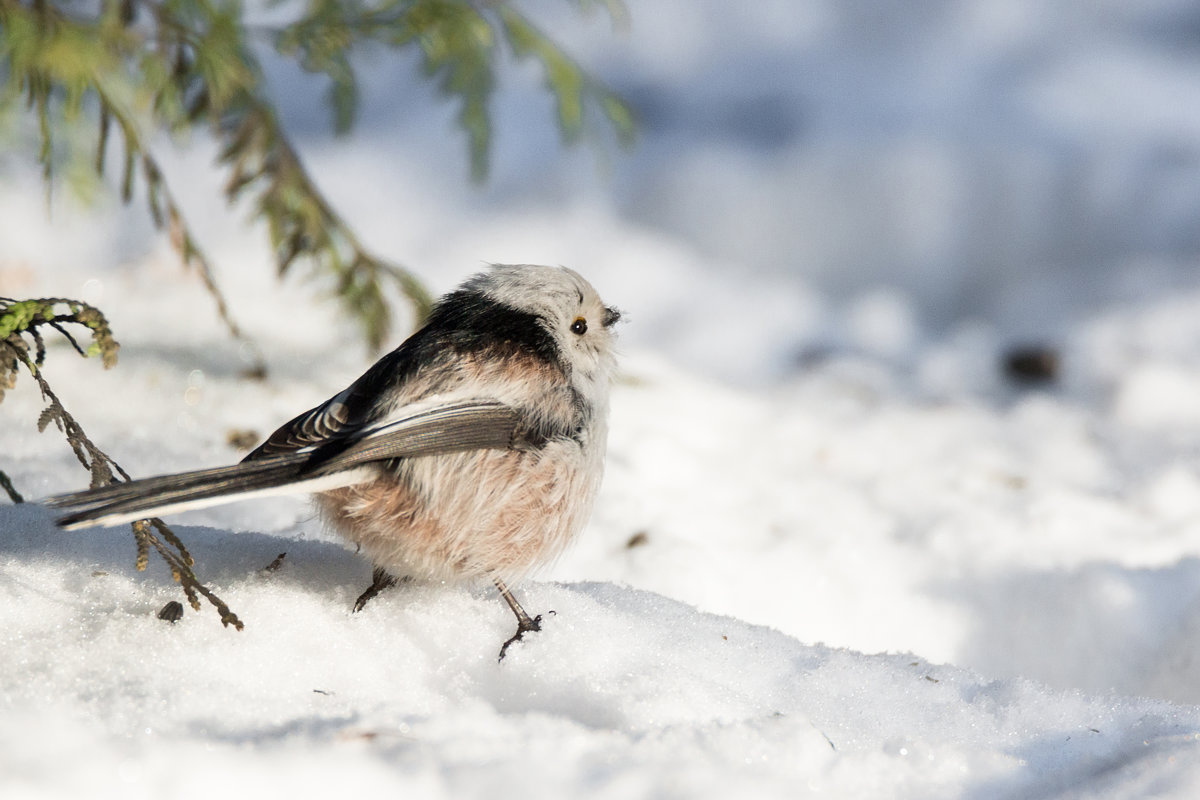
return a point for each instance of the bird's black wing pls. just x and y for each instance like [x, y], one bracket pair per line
[341, 415]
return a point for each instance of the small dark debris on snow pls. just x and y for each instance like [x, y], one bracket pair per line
[242, 438]
[637, 540]
[255, 372]
[275, 564]
[172, 612]
[1031, 365]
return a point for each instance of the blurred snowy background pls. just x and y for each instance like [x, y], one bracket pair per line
[859, 172]
[838, 219]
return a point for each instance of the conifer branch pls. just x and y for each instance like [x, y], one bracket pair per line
[22, 345]
[139, 66]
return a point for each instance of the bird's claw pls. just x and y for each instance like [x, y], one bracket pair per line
[381, 579]
[523, 627]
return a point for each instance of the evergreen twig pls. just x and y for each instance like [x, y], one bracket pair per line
[140, 66]
[19, 323]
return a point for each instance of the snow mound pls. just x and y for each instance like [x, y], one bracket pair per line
[623, 692]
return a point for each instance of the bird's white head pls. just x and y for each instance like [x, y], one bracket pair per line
[569, 309]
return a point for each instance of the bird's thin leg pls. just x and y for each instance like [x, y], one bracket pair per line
[380, 579]
[525, 623]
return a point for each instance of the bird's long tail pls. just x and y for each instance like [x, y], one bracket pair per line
[162, 494]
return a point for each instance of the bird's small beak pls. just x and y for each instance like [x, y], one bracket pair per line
[611, 316]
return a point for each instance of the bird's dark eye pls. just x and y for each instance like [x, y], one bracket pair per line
[579, 326]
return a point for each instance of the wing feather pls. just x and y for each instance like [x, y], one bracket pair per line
[343, 414]
[444, 428]
[466, 425]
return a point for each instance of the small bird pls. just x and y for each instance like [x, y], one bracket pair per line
[473, 450]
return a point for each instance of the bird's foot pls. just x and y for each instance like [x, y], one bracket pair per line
[523, 626]
[380, 580]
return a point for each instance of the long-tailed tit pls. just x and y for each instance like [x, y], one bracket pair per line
[473, 450]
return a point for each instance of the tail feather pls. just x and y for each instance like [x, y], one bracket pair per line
[340, 461]
[131, 500]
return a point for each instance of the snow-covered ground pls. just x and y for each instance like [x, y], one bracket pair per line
[837, 551]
